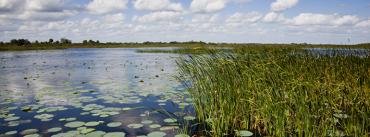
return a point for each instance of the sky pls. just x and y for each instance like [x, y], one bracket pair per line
[232, 21]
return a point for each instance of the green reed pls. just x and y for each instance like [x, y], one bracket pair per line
[272, 92]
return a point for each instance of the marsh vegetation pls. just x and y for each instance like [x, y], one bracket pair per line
[280, 92]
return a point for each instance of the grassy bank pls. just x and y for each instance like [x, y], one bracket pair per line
[189, 47]
[272, 92]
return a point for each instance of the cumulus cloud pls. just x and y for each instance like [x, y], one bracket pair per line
[106, 6]
[274, 17]
[10, 5]
[242, 18]
[365, 23]
[159, 16]
[155, 5]
[35, 10]
[45, 5]
[323, 19]
[280, 5]
[207, 6]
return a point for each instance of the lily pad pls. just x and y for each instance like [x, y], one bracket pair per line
[29, 131]
[32, 135]
[156, 134]
[114, 124]
[11, 118]
[135, 126]
[170, 120]
[155, 126]
[96, 134]
[55, 129]
[92, 123]
[189, 118]
[115, 134]
[11, 132]
[74, 124]
[182, 135]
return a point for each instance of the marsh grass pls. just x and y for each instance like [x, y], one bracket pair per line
[272, 92]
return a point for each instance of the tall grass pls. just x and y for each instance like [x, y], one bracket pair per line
[275, 93]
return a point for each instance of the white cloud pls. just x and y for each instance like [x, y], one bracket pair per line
[155, 5]
[45, 5]
[204, 18]
[280, 5]
[323, 19]
[160, 16]
[106, 6]
[114, 18]
[10, 5]
[365, 23]
[207, 5]
[241, 18]
[35, 10]
[274, 17]
[45, 16]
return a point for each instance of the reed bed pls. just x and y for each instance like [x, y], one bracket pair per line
[272, 92]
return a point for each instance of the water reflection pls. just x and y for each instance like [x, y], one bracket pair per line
[108, 85]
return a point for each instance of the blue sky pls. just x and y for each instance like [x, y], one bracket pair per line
[239, 21]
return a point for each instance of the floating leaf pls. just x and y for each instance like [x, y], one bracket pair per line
[11, 132]
[155, 126]
[92, 123]
[32, 135]
[96, 134]
[115, 134]
[114, 124]
[156, 134]
[135, 125]
[55, 129]
[170, 120]
[182, 135]
[74, 124]
[189, 118]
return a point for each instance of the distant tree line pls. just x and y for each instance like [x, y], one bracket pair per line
[26, 42]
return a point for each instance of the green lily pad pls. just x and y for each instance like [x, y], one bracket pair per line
[114, 124]
[29, 131]
[11, 118]
[92, 123]
[32, 135]
[74, 124]
[55, 129]
[170, 120]
[96, 134]
[156, 134]
[189, 118]
[115, 134]
[11, 132]
[182, 135]
[155, 126]
[135, 126]
[87, 130]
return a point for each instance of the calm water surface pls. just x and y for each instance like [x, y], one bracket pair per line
[91, 92]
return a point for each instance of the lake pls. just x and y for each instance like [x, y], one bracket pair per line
[91, 92]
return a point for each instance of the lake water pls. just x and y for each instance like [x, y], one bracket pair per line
[91, 92]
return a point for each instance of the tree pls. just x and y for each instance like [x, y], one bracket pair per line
[65, 41]
[51, 41]
[84, 42]
[20, 42]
